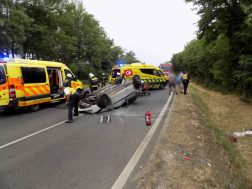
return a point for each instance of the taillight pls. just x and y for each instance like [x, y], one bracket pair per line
[12, 93]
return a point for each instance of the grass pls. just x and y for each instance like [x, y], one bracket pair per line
[201, 98]
[218, 133]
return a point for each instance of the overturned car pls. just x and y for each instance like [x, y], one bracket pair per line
[111, 96]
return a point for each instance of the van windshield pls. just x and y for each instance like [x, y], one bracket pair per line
[166, 68]
[2, 75]
[114, 73]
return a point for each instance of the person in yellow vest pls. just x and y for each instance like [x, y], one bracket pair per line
[92, 82]
[185, 80]
[72, 98]
[109, 79]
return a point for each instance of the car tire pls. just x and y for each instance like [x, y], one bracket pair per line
[162, 86]
[118, 80]
[102, 100]
[35, 107]
[136, 81]
[83, 95]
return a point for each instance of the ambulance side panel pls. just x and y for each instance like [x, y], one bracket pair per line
[36, 84]
[4, 93]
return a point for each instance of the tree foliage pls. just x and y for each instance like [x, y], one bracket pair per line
[222, 54]
[58, 30]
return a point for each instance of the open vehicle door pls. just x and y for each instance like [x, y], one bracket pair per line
[36, 84]
[4, 93]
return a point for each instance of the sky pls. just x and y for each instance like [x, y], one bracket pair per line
[154, 30]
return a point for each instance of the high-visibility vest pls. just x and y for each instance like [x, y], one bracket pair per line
[94, 82]
[110, 78]
[185, 76]
[71, 90]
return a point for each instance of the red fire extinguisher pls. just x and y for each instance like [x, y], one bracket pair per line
[148, 117]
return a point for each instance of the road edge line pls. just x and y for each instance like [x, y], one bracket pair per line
[123, 177]
[33, 134]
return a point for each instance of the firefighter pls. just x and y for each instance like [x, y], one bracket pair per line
[72, 99]
[109, 79]
[185, 80]
[68, 80]
[103, 80]
[93, 82]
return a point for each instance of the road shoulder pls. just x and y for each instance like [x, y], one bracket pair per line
[186, 135]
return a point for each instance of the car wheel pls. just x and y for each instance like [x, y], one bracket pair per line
[83, 95]
[162, 86]
[102, 100]
[136, 81]
[118, 80]
[79, 91]
[35, 107]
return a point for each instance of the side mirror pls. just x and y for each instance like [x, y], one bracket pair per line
[75, 78]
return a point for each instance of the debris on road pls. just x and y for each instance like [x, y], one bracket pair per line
[232, 138]
[185, 158]
[242, 134]
[105, 118]
[229, 186]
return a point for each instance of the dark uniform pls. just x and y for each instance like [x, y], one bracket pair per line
[93, 83]
[73, 102]
[103, 81]
[68, 81]
[185, 81]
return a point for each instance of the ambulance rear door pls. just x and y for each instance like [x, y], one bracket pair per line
[4, 95]
[36, 84]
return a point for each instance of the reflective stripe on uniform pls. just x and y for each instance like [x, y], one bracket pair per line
[71, 90]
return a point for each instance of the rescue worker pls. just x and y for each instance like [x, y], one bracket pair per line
[72, 99]
[121, 77]
[93, 82]
[109, 79]
[103, 80]
[68, 80]
[185, 80]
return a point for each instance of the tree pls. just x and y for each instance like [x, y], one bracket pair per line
[13, 25]
[130, 57]
[117, 54]
[229, 18]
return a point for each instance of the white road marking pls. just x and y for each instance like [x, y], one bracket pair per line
[133, 161]
[28, 136]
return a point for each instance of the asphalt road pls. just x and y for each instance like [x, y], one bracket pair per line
[84, 154]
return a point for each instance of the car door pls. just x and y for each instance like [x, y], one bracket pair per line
[36, 84]
[4, 95]
[156, 78]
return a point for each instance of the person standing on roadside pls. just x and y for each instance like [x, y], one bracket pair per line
[185, 80]
[179, 81]
[103, 80]
[172, 83]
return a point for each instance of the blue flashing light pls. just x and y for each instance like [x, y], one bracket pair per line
[121, 65]
[6, 58]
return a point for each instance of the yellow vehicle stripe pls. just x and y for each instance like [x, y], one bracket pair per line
[42, 89]
[28, 91]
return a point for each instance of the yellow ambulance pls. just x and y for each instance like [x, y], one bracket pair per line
[32, 82]
[148, 73]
